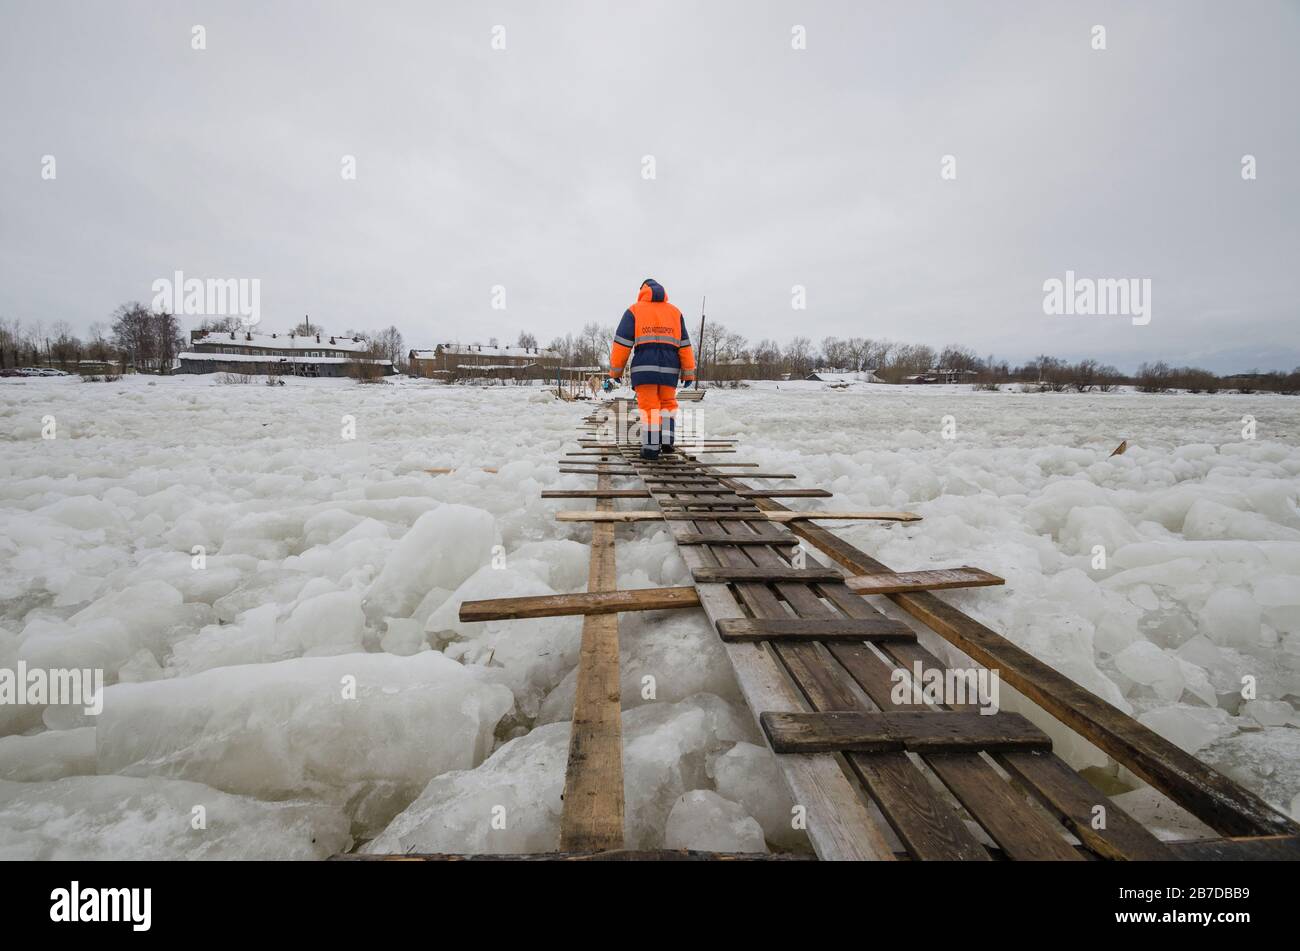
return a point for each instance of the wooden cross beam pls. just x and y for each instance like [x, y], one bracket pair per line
[935, 579]
[814, 629]
[736, 516]
[916, 731]
[728, 574]
[720, 490]
[700, 538]
[589, 603]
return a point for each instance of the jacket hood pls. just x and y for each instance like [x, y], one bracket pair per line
[652, 290]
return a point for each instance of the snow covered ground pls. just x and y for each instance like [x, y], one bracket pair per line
[269, 579]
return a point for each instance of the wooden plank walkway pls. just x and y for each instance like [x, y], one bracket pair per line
[828, 678]
[592, 818]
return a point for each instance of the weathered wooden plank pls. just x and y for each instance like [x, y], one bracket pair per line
[699, 505]
[603, 470]
[1269, 848]
[814, 629]
[598, 516]
[592, 816]
[932, 579]
[916, 731]
[1074, 800]
[626, 447]
[1213, 798]
[596, 493]
[756, 573]
[589, 604]
[1024, 833]
[700, 538]
[611, 855]
[784, 493]
[650, 478]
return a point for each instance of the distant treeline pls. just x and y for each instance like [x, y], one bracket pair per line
[140, 339]
[723, 355]
[137, 338]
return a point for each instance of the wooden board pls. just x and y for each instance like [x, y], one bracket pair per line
[1270, 848]
[699, 538]
[612, 855]
[784, 493]
[819, 629]
[713, 477]
[591, 603]
[599, 516]
[1074, 801]
[602, 470]
[755, 573]
[598, 493]
[920, 731]
[592, 815]
[933, 579]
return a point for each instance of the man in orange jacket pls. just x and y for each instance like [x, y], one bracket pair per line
[653, 331]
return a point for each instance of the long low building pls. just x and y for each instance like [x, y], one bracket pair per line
[242, 351]
[454, 360]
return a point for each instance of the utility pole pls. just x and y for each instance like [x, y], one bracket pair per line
[699, 371]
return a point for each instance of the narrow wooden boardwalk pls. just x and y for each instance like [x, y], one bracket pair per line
[820, 666]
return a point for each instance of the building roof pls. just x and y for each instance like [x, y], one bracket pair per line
[473, 349]
[269, 357]
[844, 376]
[286, 342]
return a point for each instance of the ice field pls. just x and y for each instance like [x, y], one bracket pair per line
[269, 580]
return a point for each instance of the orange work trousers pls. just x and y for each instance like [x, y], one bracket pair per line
[657, 406]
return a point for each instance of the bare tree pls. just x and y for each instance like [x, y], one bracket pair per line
[835, 353]
[799, 356]
[956, 357]
[168, 340]
[389, 345]
[221, 324]
[133, 334]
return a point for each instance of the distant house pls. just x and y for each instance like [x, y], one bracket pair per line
[242, 351]
[941, 375]
[844, 376]
[734, 368]
[455, 360]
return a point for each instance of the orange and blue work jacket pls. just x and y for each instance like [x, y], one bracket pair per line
[653, 331]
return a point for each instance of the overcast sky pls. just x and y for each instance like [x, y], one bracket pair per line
[774, 166]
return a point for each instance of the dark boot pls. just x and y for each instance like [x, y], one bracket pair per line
[651, 441]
